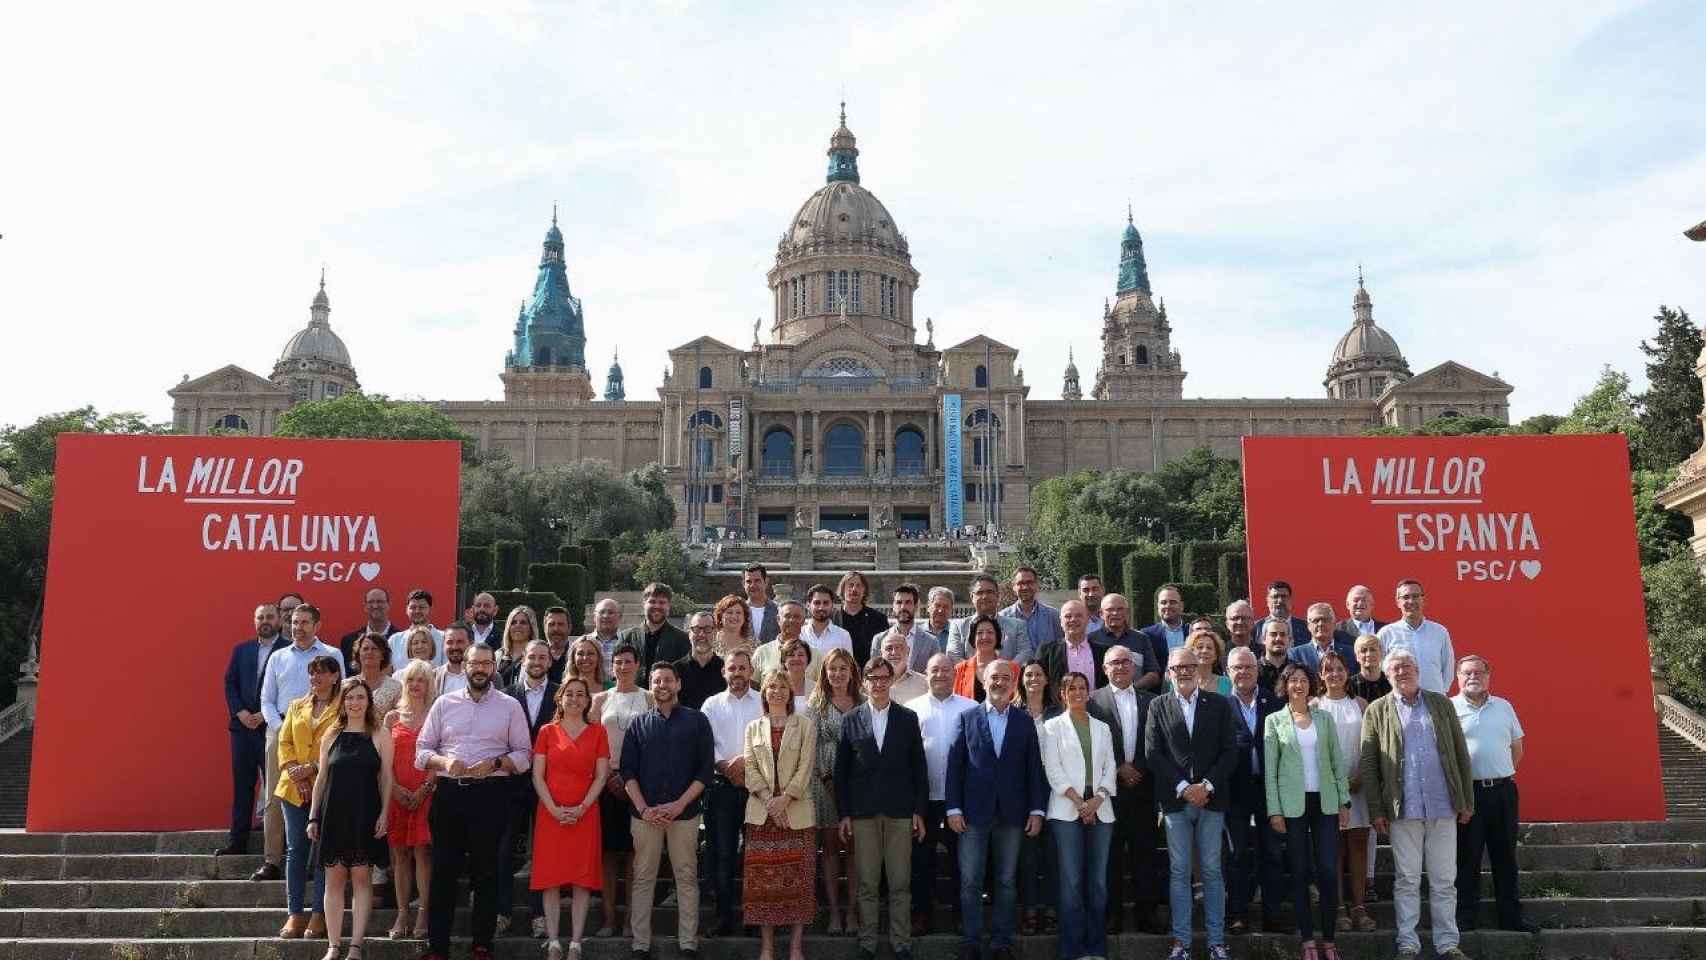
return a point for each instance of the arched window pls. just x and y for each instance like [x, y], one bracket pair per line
[981, 377]
[704, 378]
[909, 452]
[777, 452]
[1140, 355]
[705, 418]
[844, 451]
[231, 422]
[1449, 414]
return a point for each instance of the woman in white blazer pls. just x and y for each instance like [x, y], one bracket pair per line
[1078, 757]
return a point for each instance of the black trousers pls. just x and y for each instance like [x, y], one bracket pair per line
[248, 760]
[724, 814]
[468, 818]
[1257, 855]
[924, 859]
[1312, 849]
[1133, 855]
[514, 845]
[1493, 829]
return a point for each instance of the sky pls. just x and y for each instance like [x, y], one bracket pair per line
[1513, 178]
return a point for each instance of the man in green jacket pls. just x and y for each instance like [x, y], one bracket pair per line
[1415, 774]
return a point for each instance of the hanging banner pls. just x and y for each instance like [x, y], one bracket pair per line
[1525, 549]
[737, 411]
[953, 485]
[185, 536]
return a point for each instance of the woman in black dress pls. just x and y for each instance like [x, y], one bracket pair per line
[346, 820]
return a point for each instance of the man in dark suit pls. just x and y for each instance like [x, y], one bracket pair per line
[537, 693]
[882, 789]
[1360, 602]
[377, 606]
[1060, 657]
[760, 609]
[1279, 608]
[1169, 629]
[656, 638]
[996, 793]
[1191, 752]
[1256, 848]
[248, 730]
[1323, 638]
[1125, 709]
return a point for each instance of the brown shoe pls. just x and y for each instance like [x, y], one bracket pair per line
[316, 925]
[293, 928]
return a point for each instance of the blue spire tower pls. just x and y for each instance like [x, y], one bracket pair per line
[551, 331]
[843, 153]
[613, 389]
[1134, 274]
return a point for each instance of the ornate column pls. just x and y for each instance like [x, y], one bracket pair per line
[799, 441]
[930, 445]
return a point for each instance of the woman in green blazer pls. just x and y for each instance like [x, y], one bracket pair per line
[1308, 800]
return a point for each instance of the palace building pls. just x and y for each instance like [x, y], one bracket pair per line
[841, 415]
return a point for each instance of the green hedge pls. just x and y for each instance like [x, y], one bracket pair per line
[1077, 559]
[508, 558]
[1234, 578]
[476, 562]
[1110, 561]
[1142, 575]
[1201, 559]
[510, 599]
[600, 563]
[571, 553]
[1200, 598]
[1176, 561]
[566, 580]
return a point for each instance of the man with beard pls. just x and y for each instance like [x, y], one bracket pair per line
[1117, 632]
[606, 617]
[656, 638]
[1015, 637]
[1276, 640]
[247, 727]
[701, 671]
[557, 638]
[1494, 737]
[1090, 592]
[284, 678]
[1279, 608]
[862, 623]
[485, 613]
[419, 609]
[475, 737]
[454, 674]
[1169, 631]
[821, 634]
[1042, 622]
[903, 608]
[729, 713]
[377, 606]
[761, 610]
[666, 767]
[909, 684]
[537, 693]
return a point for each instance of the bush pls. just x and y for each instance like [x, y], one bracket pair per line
[571, 553]
[665, 560]
[476, 564]
[566, 580]
[1676, 624]
[1200, 560]
[508, 556]
[1200, 598]
[1077, 559]
[1234, 578]
[1142, 574]
[599, 558]
[538, 602]
[1110, 561]
[1176, 560]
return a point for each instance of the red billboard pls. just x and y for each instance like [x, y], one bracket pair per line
[1525, 547]
[161, 549]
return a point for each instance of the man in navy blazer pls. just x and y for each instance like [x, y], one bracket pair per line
[1169, 629]
[882, 790]
[1257, 851]
[248, 730]
[1125, 709]
[995, 790]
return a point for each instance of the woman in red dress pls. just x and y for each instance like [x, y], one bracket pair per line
[411, 798]
[571, 759]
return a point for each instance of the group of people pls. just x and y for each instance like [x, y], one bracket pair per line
[1048, 753]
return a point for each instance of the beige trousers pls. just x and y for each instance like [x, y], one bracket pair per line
[682, 837]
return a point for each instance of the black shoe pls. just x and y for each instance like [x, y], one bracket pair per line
[970, 951]
[231, 850]
[903, 953]
[268, 871]
[638, 954]
[688, 953]
[1521, 926]
[866, 953]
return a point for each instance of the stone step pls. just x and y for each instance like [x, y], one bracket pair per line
[1636, 831]
[264, 920]
[1634, 943]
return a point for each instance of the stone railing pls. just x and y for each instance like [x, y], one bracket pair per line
[1681, 720]
[15, 719]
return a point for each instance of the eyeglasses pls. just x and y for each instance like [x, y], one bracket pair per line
[1116, 662]
[1181, 667]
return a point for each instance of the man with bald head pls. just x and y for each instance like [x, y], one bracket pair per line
[1125, 709]
[1359, 603]
[606, 617]
[1116, 631]
[938, 713]
[485, 616]
[1256, 848]
[1241, 628]
[1074, 653]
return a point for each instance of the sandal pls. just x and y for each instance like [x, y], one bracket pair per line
[354, 953]
[553, 950]
[332, 953]
[833, 928]
[400, 929]
[604, 931]
[1360, 917]
[574, 950]
[1343, 919]
[1309, 952]
[1329, 952]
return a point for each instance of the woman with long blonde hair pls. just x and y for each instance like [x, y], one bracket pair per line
[409, 831]
[520, 629]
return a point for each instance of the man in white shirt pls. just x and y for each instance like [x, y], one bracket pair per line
[453, 676]
[1125, 708]
[485, 621]
[760, 608]
[419, 609]
[283, 679]
[1494, 735]
[1428, 640]
[606, 617]
[820, 634]
[909, 684]
[939, 721]
[729, 713]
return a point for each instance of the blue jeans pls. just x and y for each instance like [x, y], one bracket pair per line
[1198, 829]
[297, 847]
[1082, 851]
[976, 846]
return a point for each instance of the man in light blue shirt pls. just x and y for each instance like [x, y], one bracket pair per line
[285, 678]
[1042, 622]
[1429, 641]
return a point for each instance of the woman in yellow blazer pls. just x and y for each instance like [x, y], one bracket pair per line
[781, 758]
[305, 724]
[1309, 800]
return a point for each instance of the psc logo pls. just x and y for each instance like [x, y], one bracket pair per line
[335, 571]
[1496, 571]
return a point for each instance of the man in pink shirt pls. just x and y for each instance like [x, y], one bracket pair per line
[1075, 654]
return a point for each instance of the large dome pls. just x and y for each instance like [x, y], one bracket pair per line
[1366, 341]
[843, 211]
[316, 342]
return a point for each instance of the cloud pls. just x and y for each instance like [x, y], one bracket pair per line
[1514, 181]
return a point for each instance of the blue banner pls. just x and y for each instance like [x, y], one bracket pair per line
[953, 485]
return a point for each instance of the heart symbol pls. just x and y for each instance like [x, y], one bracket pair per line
[1530, 568]
[370, 570]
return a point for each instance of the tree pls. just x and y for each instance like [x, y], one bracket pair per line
[27, 452]
[1607, 408]
[1676, 624]
[1669, 410]
[375, 417]
[548, 508]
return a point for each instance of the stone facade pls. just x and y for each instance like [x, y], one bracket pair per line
[832, 417]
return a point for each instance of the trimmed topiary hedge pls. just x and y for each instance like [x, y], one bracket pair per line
[1077, 559]
[1143, 574]
[566, 580]
[1200, 598]
[572, 553]
[476, 564]
[600, 563]
[1234, 578]
[509, 556]
[1201, 559]
[510, 599]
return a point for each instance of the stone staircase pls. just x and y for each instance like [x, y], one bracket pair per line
[1684, 768]
[1627, 890]
[14, 779]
